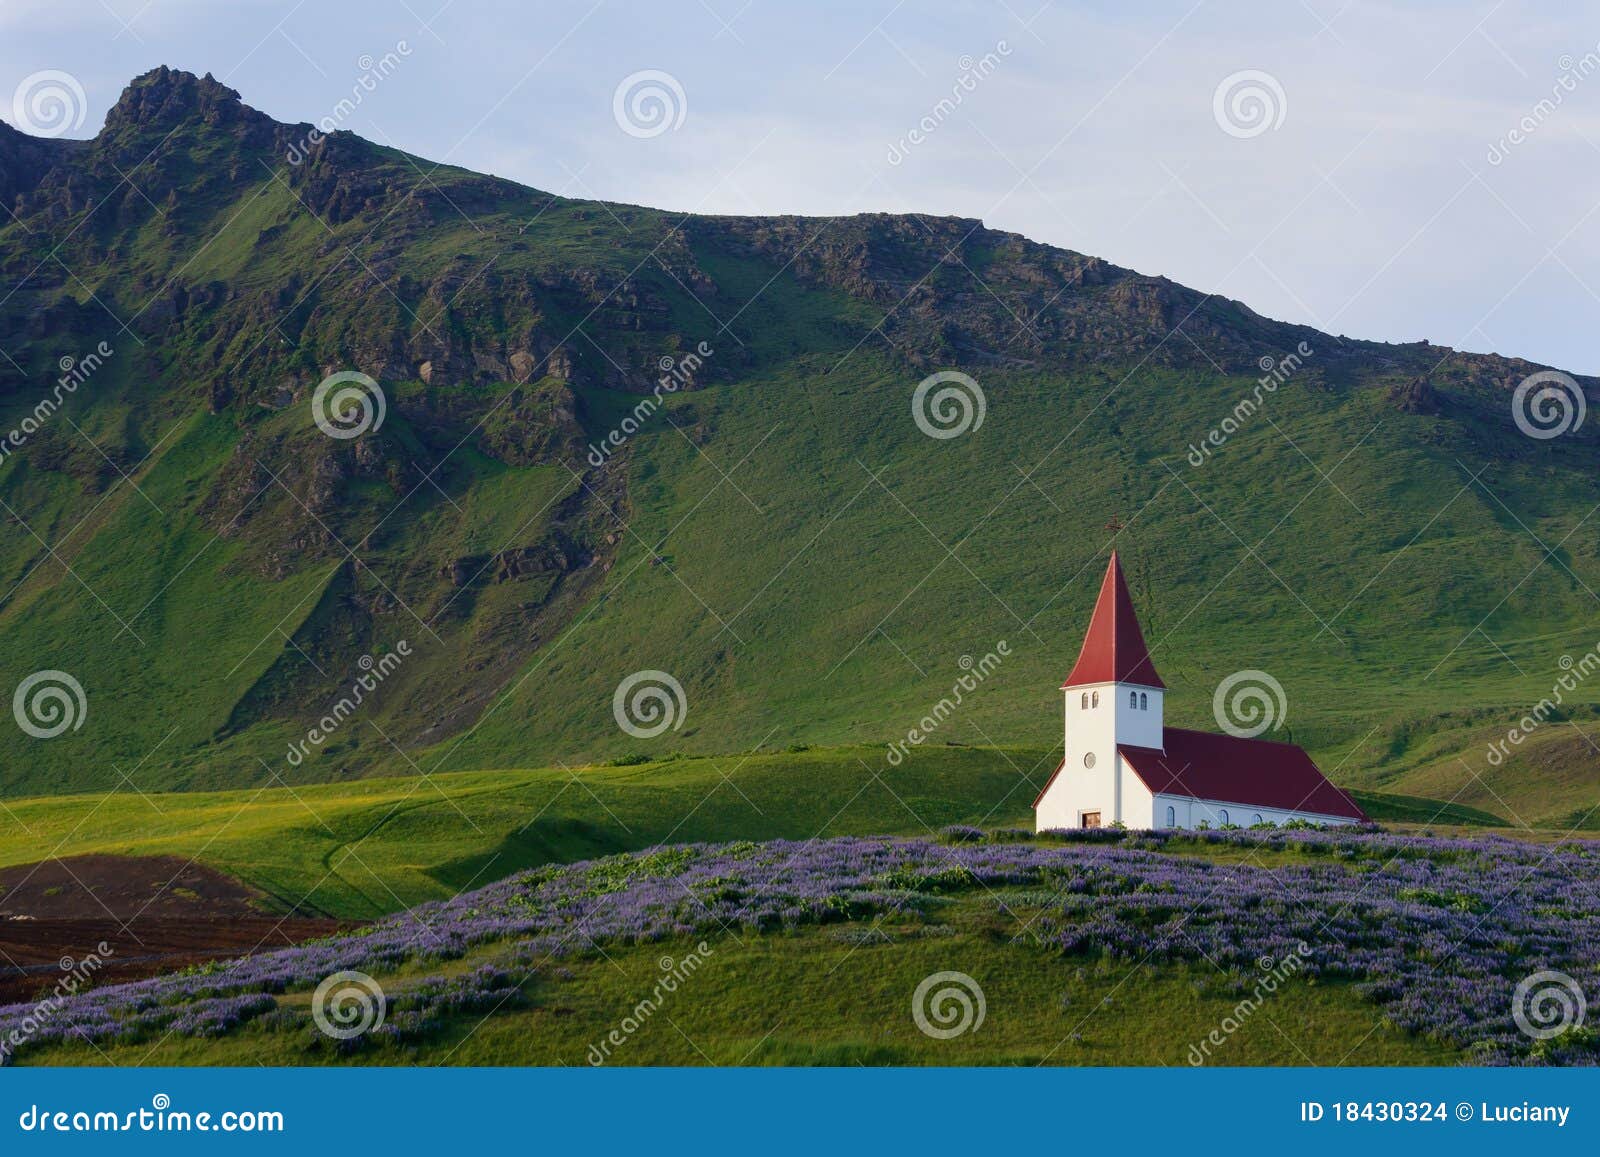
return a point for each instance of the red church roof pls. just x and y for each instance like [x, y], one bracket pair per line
[1113, 649]
[1220, 769]
[1227, 769]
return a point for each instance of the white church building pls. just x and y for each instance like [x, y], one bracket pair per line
[1122, 764]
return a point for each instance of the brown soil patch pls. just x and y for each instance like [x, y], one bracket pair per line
[123, 888]
[151, 915]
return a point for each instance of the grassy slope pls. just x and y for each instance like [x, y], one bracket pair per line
[814, 596]
[850, 615]
[168, 625]
[374, 846]
[823, 629]
[816, 997]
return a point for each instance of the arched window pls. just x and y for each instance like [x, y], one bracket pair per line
[1144, 701]
[1256, 819]
[1133, 699]
[1094, 699]
[1172, 817]
[1222, 816]
[1083, 704]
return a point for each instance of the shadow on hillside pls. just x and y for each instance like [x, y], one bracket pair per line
[559, 839]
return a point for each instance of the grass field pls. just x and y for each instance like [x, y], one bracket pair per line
[373, 846]
[819, 997]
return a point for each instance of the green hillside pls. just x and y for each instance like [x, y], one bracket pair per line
[371, 847]
[780, 537]
[374, 846]
[839, 996]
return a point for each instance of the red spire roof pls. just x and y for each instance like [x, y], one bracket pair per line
[1113, 649]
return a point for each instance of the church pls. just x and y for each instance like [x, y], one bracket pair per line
[1122, 764]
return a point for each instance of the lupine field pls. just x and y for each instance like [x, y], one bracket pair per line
[1434, 933]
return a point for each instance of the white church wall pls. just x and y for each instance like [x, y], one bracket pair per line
[1118, 794]
[1140, 726]
[1138, 804]
[1076, 790]
[1091, 727]
[1189, 813]
[1087, 782]
[1094, 777]
[1059, 808]
[1110, 718]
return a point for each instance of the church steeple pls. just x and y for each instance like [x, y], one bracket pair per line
[1113, 701]
[1113, 649]
[1120, 763]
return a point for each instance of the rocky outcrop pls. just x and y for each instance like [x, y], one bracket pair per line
[1416, 396]
[24, 161]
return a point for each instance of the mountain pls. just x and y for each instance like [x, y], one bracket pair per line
[780, 536]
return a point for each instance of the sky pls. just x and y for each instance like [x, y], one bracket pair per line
[1393, 171]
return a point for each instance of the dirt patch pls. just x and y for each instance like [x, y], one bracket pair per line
[142, 915]
[123, 888]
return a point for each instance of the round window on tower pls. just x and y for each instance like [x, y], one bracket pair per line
[1088, 759]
